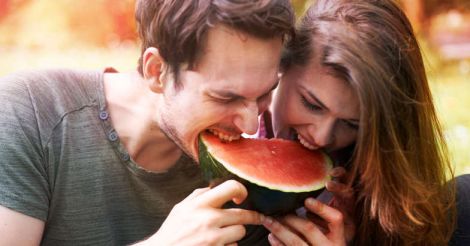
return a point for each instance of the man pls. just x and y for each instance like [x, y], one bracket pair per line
[102, 158]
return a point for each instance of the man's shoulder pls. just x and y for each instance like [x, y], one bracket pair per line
[46, 89]
[44, 97]
[53, 80]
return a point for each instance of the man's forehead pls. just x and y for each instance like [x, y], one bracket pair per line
[224, 39]
[244, 89]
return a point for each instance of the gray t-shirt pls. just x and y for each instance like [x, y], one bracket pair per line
[62, 162]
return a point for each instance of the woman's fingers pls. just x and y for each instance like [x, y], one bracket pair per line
[282, 233]
[339, 189]
[295, 230]
[332, 216]
[274, 241]
[337, 172]
[317, 220]
[307, 229]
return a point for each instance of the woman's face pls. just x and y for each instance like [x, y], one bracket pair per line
[315, 107]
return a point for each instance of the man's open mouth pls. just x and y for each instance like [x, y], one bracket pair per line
[224, 136]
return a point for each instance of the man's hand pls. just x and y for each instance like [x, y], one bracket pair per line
[200, 220]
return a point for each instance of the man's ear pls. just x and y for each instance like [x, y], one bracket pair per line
[154, 69]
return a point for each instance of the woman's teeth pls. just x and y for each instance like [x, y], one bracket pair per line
[306, 144]
[223, 136]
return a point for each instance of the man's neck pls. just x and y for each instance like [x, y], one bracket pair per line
[133, 107]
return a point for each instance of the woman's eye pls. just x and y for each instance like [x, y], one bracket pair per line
[309, 105]
[351, 125]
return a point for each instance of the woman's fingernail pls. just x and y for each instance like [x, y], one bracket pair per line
[336, 172]
[310, 201]
[330, 185]
[271, 239]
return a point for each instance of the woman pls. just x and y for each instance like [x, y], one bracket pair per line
[355, 85]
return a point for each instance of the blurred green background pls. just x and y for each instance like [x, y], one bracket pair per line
[36, 34]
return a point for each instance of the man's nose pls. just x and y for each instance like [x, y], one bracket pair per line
[247, 118]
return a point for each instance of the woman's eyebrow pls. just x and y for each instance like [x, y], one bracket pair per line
[315, 98]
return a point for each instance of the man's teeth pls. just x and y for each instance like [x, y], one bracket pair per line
[223, 136]
[306, 144]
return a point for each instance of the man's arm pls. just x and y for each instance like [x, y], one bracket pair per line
[19, 229]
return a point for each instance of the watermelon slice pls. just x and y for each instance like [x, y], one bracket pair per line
[279, 174]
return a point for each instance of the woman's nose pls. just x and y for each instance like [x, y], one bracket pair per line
[323, 133]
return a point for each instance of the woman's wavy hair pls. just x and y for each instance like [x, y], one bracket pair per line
[400, 166]
[178, 27]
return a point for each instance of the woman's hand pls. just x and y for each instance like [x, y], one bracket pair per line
[325, 224]
[294, 230]
[343, 200]
[200, 220]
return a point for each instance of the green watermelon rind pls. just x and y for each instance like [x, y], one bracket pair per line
[212, 169]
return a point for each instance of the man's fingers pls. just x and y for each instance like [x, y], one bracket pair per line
[237, 216]
[229, 190]
[196, 193]
[232, 234]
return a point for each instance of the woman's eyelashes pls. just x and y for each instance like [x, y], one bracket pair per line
[352, 125]
[310, 106]
[316, 108]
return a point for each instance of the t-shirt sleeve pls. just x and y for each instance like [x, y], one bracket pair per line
[23, 175]
[461, 234]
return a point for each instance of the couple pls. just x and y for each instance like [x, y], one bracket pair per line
[107, 158]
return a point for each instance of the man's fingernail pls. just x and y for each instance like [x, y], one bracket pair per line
[262, 218]
[268, 221]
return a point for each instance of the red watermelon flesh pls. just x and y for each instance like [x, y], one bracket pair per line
[277, 164]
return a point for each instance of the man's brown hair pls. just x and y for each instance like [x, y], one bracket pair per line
[177, 28]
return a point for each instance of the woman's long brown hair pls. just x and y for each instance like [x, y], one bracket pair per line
[401, 169]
